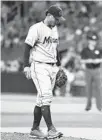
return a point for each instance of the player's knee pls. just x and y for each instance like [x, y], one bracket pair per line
[36, 109]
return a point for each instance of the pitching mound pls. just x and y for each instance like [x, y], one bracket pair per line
[22, 136]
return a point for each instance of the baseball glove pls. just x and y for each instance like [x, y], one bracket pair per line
[61, 78]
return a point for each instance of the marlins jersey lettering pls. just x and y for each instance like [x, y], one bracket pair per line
[44, 42]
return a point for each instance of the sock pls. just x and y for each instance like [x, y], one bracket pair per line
[47, 116]
[37, 117]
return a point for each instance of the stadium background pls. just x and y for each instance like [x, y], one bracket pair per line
[18, 16]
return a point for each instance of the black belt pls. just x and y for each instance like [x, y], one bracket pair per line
[46, 63]
[50, 64]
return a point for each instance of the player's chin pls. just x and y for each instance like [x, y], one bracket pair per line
[58, 24]
[53, 25]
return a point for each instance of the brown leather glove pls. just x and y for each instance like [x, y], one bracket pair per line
[61, 78]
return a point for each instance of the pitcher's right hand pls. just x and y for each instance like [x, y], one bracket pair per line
[27, 72]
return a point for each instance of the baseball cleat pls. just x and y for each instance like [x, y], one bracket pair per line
[37, 134]
[53, 133]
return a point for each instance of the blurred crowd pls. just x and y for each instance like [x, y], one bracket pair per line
[11, 66]
[81, 16]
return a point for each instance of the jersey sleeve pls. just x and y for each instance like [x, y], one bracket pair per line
[32, 36]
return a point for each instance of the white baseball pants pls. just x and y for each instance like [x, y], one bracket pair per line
[44, 76]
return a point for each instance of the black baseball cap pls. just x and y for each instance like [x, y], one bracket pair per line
[56, 11]
[92, 35]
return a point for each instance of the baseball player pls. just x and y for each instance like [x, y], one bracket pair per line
[92, 58]
[41, 48]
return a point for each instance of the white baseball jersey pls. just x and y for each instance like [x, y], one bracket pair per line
[44, 42]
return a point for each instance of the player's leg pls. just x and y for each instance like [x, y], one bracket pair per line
[42, 80]
[35, 131]
[37, 117]
[44, 97]
[46, 112]
[88, 77]
[98, 94]
[52, 132]
[46, 77]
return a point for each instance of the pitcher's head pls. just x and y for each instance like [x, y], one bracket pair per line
[54, 15]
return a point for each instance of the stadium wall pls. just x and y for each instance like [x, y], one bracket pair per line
[17, 83]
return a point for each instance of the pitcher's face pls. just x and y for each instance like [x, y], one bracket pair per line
[53, 20]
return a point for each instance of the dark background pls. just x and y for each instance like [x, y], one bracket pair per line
[18, 16]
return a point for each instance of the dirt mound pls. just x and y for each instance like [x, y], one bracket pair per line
[25, 136]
